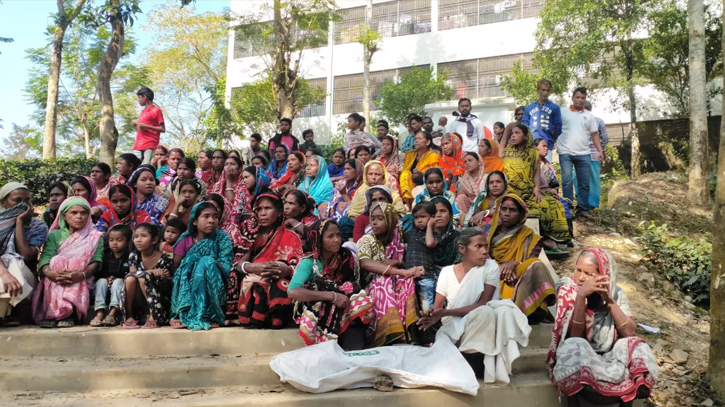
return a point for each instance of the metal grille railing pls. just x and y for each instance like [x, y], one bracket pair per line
[390, 19]
[465, 13]
[316, 109]
[478, 78]
[348, 94]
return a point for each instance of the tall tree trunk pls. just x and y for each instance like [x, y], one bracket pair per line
[634, 134]
[107, 125]
[367, 58]
[87, 139]
[697, 188]
[716, 361]
[281, 69]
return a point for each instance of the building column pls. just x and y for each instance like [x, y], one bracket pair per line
[329, 99]
[434, 32]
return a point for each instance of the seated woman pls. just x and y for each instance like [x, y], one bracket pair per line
[317, 184]
[490, 155]
[143, 182]
[86, 189]
[435, 186]
[126, 164]
[451, 162]
[471, 183]
[256, 181]
[123, 210]
[293, 177]
[185, 171]
[101, 177]
[594, 354]
[515, 247]
[442, 234]
[337, 167]
[392, 289]
[390, 157]
[235, 153]
[56, 195]
[376, 193]
[231, 184]
[21, 237]
[160, 160]
[363, 154]
[344, 192]
[211, 177]
[186, 195]
[72, 254]
[549, 183]
[326, 290]
[521, 164]
[267, 268]
[176, 155]
[298, 216]
[481, 211]
[204, 164]
[416, 163]
[374, 174]
[278, 166]
[473, 318]
[202, 259]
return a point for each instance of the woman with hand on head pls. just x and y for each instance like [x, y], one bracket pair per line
[231, 184]
[186, 195]
[594, 353]
[160, 160]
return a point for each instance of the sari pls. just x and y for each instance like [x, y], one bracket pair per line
[208, 178]
[337, 208]
[481, 203]
[550, 184]
[394, 300]
[534, 287]
[102, 194]
[393, 162]
[453, 166]
[155, 205]
[493, 161]
[320, 188]
[198, 292]
[242, 197]
[446, 250]
[322, 321]
[612, 366]
[358, 204]
[264, 303]
[135, 216]
[277, 174]
[67, 251]
[520, 167]
[289, 178]
[429, 160]
[469, 187]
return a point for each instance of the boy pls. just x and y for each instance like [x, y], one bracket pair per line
[418, 254]
[149, 126]
[112, 274]
[175, 227]
[355, 136]
[309, 144]
[543, 117]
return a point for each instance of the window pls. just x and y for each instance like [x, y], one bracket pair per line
[457, 14]
[315, 110]
[390, 19]
[348, 95]
[479, 78]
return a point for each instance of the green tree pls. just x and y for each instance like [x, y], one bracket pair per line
[24, 142]
[521, 84]
[415, 89]
[370, 40]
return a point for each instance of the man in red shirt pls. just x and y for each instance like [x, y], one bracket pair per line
[149, 126]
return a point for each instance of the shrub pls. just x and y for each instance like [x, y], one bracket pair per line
[38, 175]
[686, 262]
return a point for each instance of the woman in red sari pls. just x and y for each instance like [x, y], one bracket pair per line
[451, 161]
[294, 175]
[268, 267]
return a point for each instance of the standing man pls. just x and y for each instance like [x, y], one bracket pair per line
[253, 150]
[149, 126]
[468, 126]
[383, 129]
[543, 116]
[595, 182]
[578, 127]
[284, 137]
[415, 123]
[309, 143]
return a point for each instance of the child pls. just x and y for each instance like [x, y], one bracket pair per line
[149, 126]
[418, 254]
[174, 228]
[110, 277]
[355, 136]
[149, 280]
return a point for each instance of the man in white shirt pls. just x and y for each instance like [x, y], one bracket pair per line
[578, 125]
[467, 126]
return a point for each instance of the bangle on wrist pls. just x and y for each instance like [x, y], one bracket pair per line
[335, 298]
[577, 322]
[622, 325]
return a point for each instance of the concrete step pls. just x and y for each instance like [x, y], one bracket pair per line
[88, 342]
[530, 390]
[136, 374]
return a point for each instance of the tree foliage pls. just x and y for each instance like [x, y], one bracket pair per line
[415, 89]
[521, 84]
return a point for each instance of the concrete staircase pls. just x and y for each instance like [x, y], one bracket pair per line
[109, 367]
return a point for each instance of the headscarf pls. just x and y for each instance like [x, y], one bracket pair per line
[469, 187]
[93, 194]
[496, 221]
[60, 223]
[320, 188]
[340, 268]
[8, 216]
[484, 193]
[8, 188]
[369, 196]
[394, 162]
[395, 248]
[134, 217]
[453, 166]
[358, 204]
[493, 161]
[273, 165]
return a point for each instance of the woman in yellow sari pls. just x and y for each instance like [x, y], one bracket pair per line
[374, 173]
[521, 165]
[415, 164]
[515, 247]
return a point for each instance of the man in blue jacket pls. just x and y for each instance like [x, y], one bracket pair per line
[543, 116]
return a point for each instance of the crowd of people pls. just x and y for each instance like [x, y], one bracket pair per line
[384, 245]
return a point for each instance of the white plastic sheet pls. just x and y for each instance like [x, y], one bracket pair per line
[326, 367]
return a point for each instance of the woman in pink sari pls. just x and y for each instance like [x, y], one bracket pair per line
[72, 254]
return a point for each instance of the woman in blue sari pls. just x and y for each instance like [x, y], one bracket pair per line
[317, 184]
[203, 259]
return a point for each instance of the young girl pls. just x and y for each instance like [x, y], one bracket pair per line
[473, 319]
[174, 228]
[148, 283]
[110, 278]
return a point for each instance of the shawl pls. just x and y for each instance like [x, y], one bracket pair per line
[478, 202]
[207, 177]
[336, 171]
[93, 195]
[520, 167]
[469, 187]
[341, 268]
[283, 245]
[358, 205]
[394, 162]
[601, 332]
[320, 187]
[453, 166]
[395, 248]
[493, 161]
[135, 216]
[277, 174]
[446, 250]
[469, 126]
[199, 289]
[429, 160]
[518, 243]
[8, 216]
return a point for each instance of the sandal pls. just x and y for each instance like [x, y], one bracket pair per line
[176, 324]
[48, 323]
[130, 324]
[150, 324]
[213, 325]
[66, 323]
[109, 320]
[97, 321]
